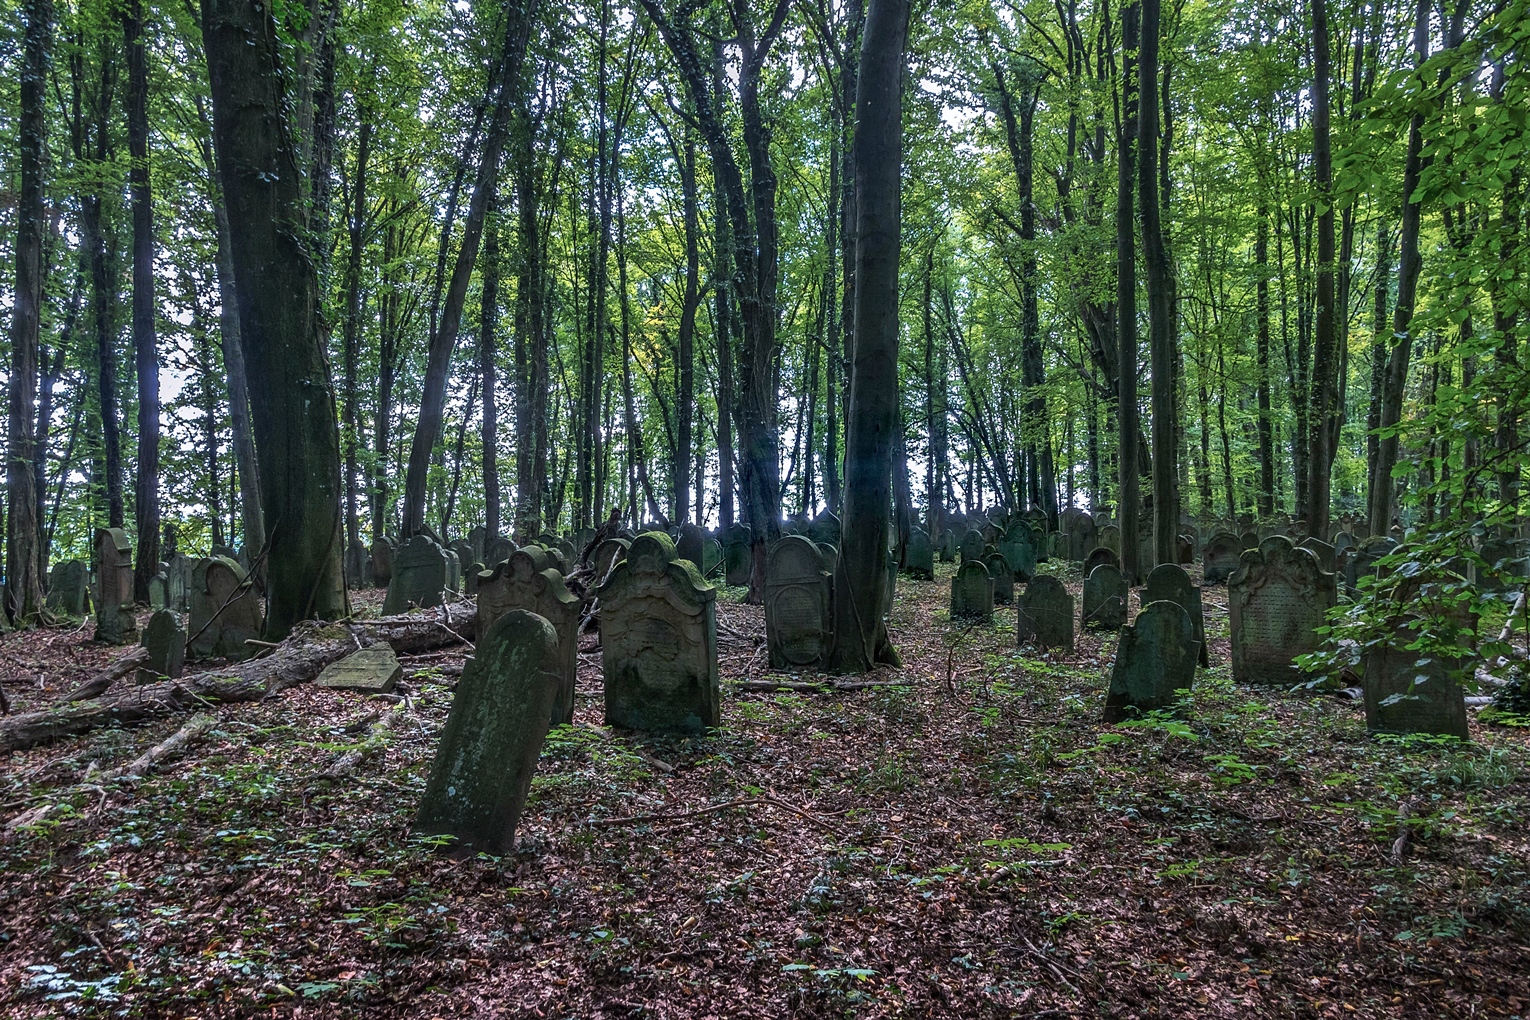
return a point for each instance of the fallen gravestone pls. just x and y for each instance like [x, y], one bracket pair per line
[493, 737]
[528, 581]
[165, 640]
[1045, 614]
[1276, 602]
[798, 604]
[658, 635]
[1105, 593]
[972, 592]
[115, 624]
[1155, 658]
[374, 670]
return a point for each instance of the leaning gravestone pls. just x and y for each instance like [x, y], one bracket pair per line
[1168, 582]
[1101, 556]
[1220, 558]
[165, 640]
[607, 555]
[1324, 552]
[528, 581]
[374, 670]
[1003, 580]
[1045, 614]
[798, 603]
[658, 635]
[421, 575]
[1154, 659]
[493, 737]
[1276, 603]
[115, 624]
[1412, 691]
[226, 612]
[69, 589]
[1104, 598]
[919, 556]
[711, 557]
[972, 592]
[383, 549]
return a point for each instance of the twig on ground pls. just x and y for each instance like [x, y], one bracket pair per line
[103, 681]
[196, 727]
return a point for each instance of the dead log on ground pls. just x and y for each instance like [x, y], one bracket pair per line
[102, 681]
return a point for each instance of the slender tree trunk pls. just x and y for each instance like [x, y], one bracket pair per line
[1130, 498]
[353, 309]
[1262, 356]
[835, 320]
[488, 369]
[685, 399]
[861, 576]
[145, 343]
[1380, 338]
[931, 470]
[1160, 298]
[1324, 382]
[23, 590]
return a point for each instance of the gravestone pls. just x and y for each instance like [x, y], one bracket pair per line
[159, 592]
[1105, 594]
[383, 549]
[464, 553]
[421, 575]
[1221, 557]
[1018, 547]
[1169, 582]
[69, 589]
[1083, 537]
[1363, 562]
[226, 611]
[689, 545]
[738, 557]
[948, 548]
[830, 554]
[607, 555]
[1251, 539]
[374, 670]
[711, 557]
[798, 604]
[493, 737]
[1045, 614]
[1101, 556]
[1412, 691]
[356, 564]
[972, 592]
[972, 545]
[528, 581]
[1110, 538]
[498, 552]
[919, 556]
[165, 639]
[1154, 658]
[825, 529]
[1003, 580]
[1324, 552]
[1185, 548]
[453, 571]
[478, 538]
[658, 635]
[1343, 541]
[471, 577]
[1276, 602]
[178, 570]
[115, 624]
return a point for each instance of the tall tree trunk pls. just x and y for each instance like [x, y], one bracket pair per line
[685, 399]
[931, 469]
[835, 320]
[861, 576]
[1324, 355]
[353, 307]
[1130, 498]
[488, 369]
[292, 396]
[145, 344]
[1262, 357]
[1380, 338]
[518, 19]
[23, 589]
[1160, 298]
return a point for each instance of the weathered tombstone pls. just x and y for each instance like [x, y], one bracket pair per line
[159, 592]
[464, 553]
[383, 549]
[1185, 549]
[711, 556]
[830, 554]
[1324, 552]
[689, 545]
[226, 611]
[919, 556]
[1110, 538]
[1083, 537]
[798, 604]
[1045, 614]
[165, 639]
[453, 571]
[356, 564]
[478, 537]
[972, 545]
[1505, 564]
[1101, 555]
[493, 737]
[178, 578]
[499, 550]
[115, 624]
[374, 670]
[1154, 659]
[1105, 594]
[421, 575]
[1221, 557]
[607, 555]
[1412, 691]
[1363, 562]
[528, 581]
[738, 556]
[1003, 580]
[1276, 602]
[948, 548]
[825, 529]
[1344, 540]
[69, 589]
[1251, 539]
[658, 635]
[1018, 547]
[972, 592]
[1168, 582]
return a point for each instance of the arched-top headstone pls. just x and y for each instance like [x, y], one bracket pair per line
[165, 641]
[919, 556]
[1045, 614]
[658, 631]
[607, 555]
[1276, 601]
[1018, 547]
[711, 557]
[972, 592]
[69, 589]
[972, 545]
[115, 623]
[1110, 538]
[1155, 658]
[1003, 580]
[689, 545]
[383, 548]
[527, 581]
[738, 555]
[1101, 555]
[421, 572]
[1168, 582]
[1105, 592]
[798, 604]
[1221, 557]
[498, 552]
[226, 611]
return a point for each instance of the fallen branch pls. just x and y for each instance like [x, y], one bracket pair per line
[193, 731]
[300, 659]
[102, 682]
[380, 730]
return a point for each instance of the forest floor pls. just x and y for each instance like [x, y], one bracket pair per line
[970, 842]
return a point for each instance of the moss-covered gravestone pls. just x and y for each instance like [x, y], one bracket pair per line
[421, 574]
[1083, 537]
[947, 546]
[1100, 556]
[1018, 547]
[165, 640]
[798, 604]
[115, 623]
[69, 589]
[1322, 550]
[226, 611]
[1045, 614]
[607, 555]
[528, 581]
[711, 557]
[919, 555]
[383, 551]
[1276, 602]
[374, 670]
[1220, 557]
[1169, 582]
[1154, 658]
[1003, 579]
[658, 635]
[1110, 538]
[972, 545]
[498, 551]
[1104, 598]
[972, 592]
[1412, 691]
[738, 556]
[493, 737]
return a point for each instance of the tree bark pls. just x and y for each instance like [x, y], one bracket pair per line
[350, 412]
[1129, 494]
[145, 343]
[861, 576]
[1324, 382]
[1160, 298]
[488, 370]
[1262, 358]
[685, 399]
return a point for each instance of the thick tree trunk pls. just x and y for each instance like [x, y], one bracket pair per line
[292, 396]
[145, 344]
[1160, 298]
[1129, 495]
[871, 440]
[835, 319]
[23, 589]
